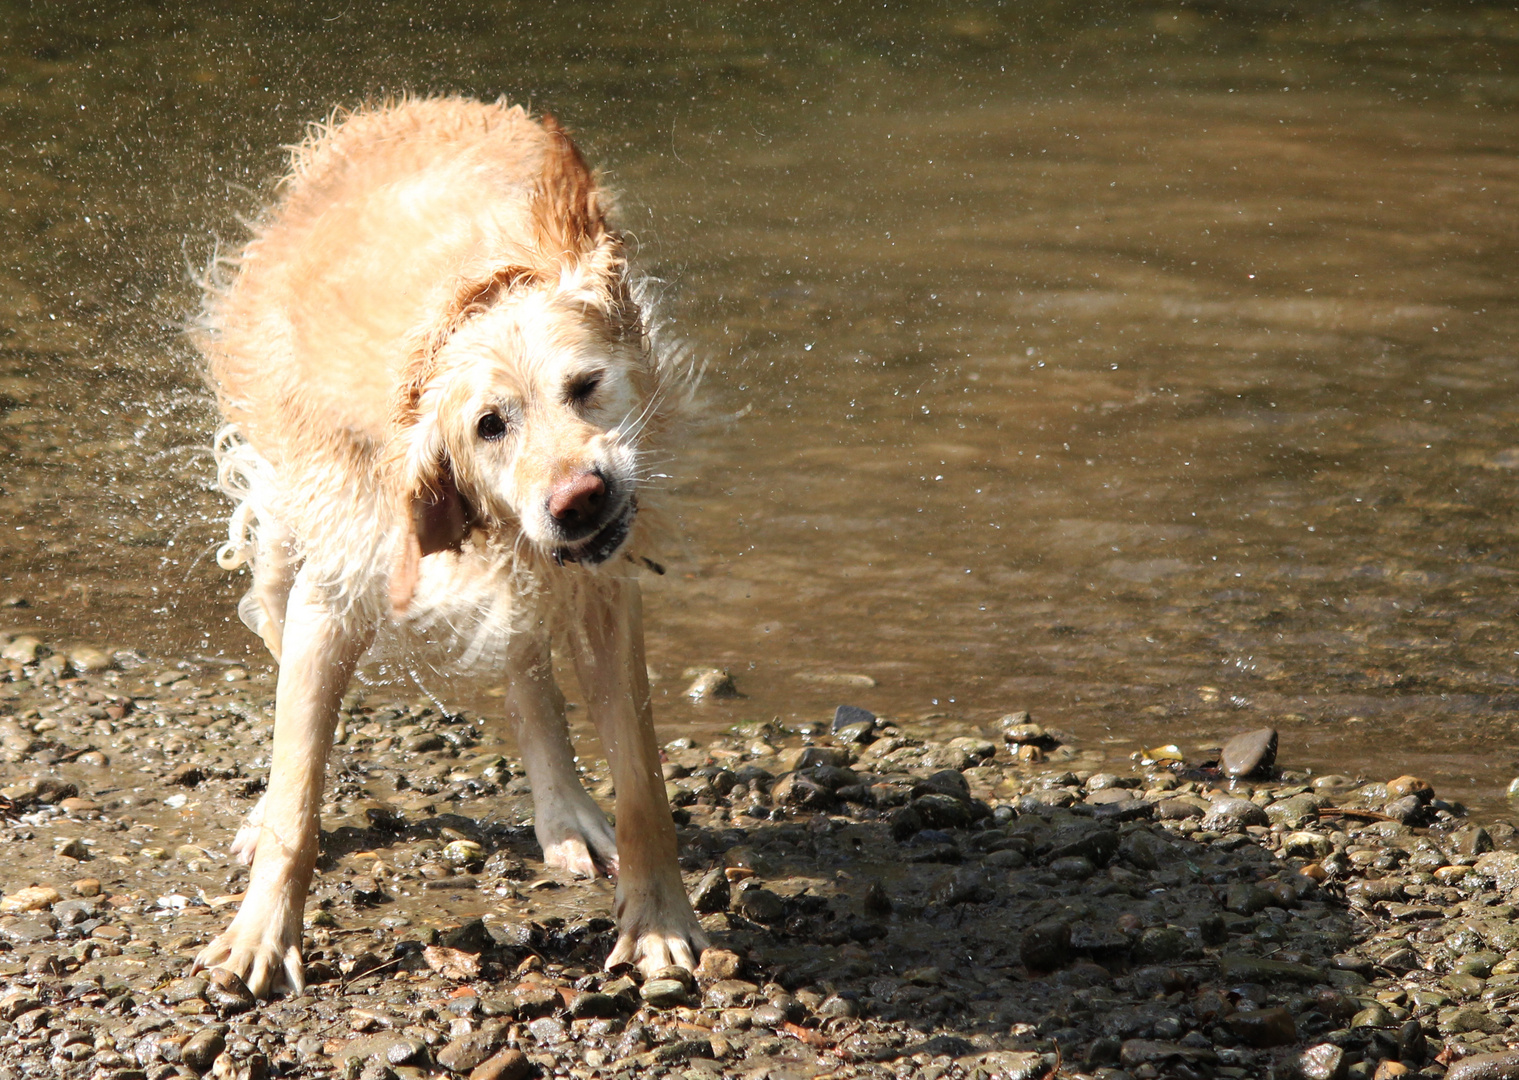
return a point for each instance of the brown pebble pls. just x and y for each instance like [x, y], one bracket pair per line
[718, 964]
[1405, 786]
[1387, 1069]
[86, 887]
[507, 1065]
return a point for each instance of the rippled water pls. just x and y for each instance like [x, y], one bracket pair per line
[1149, 367]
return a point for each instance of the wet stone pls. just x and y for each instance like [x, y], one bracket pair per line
[761, 905]
[1045, 946]
[1234, 814]
[665, 993]
[1325, 1061]
[470, 1050]
[1249, 752]
[506, 1065]
[1262, 1028]
[201, 1050]
[1503, 1066]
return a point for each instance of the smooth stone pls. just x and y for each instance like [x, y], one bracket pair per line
[761, 905]
[1234, 813]
[712, 894]
[1405, 786]
[23, 649]
[1249, 752]
[202, 1049]
[507, 1065]
[1294, 812]
[1045, 946]
[1263, 1028]
[711, 683]
[1504, 1066]
[665, 993]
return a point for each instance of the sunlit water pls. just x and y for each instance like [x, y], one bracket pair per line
[1149, 369]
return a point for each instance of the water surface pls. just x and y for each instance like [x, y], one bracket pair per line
[1150, 367]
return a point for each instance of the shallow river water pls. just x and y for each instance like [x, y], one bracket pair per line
[1149, 367]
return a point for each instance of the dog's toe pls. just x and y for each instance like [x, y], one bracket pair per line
[261, 957]
[653, 949]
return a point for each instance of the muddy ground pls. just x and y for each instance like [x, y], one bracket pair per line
[887, 896]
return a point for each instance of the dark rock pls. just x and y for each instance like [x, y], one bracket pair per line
[938, 811]
[1249, 752]
[1137, 1052]
[949, 782]
[1243, 898]
[761, 905]
[1369, 891]
[848, 715]
[961, 886]
[711, 894]
[472, 937]
[800, 791]
[1090, 841]
[1504, 1066]
[904, 822]
[1045, 946]
[1263, 1028]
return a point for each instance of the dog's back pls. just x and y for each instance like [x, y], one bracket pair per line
[379, 218]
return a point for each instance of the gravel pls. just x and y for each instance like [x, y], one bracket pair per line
[887, 897]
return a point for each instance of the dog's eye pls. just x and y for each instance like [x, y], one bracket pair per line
[491, 427]
[581, 389]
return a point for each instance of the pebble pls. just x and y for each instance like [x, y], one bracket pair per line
[710, 683]
[506, 1065]
[1249, 753]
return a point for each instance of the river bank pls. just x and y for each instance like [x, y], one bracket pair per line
[888, 896]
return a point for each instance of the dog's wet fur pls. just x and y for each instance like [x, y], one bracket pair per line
[443, 403]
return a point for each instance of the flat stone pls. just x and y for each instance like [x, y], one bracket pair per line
[1249, 752]
[1263, 1028]
[1256, 969]
[1137, 1052]
[1234, 814]
[32, 898]
[470, 1050]
[507, 1065]
[1504, 1066]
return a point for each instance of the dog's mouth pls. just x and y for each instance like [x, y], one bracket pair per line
[603, 544]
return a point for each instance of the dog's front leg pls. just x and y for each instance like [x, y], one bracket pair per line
[570, 827]
[321, 650]
[656, 927]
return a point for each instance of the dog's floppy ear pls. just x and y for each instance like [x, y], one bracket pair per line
[570, 218]
[435, 518]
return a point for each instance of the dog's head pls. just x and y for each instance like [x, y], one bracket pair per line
[523, 405]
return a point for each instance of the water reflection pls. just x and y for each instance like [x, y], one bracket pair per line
[1149, 368]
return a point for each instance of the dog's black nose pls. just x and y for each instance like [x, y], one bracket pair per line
[576, 503]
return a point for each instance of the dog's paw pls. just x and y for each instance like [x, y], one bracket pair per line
[576, 838]
[665, 935]
[246, 841]
[261, 952]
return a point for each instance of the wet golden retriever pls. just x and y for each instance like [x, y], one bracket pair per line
[443, 401]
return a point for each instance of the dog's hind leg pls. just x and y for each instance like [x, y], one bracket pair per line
[656, 927]
[321, 650]
[570, 827]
